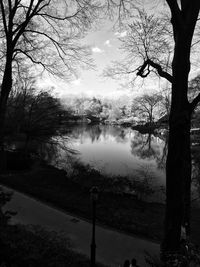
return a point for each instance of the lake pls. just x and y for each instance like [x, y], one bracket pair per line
[116, 150]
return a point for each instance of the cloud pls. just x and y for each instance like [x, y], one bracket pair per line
[97, 50]
[76, 82]
[121, 34]
[107, 43]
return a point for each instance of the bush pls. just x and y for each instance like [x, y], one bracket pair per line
[33, 246]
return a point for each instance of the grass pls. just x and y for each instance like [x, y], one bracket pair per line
[120, 211]
[33, 246]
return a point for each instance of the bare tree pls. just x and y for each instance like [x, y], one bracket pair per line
[147, 106]
[184, 18]
[148, 38]
[43, 33]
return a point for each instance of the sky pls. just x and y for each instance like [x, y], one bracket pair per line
[105, 47]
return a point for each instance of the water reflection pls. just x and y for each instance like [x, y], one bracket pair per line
[113, 150]
[117, 150]
[123, 151]
[146, 146]
[97, 132]
[45, 149]
[196, 175]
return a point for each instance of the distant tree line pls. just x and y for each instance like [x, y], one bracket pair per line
[146, 107]
[35, 113]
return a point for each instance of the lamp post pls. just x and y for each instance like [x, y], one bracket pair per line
[94, 197]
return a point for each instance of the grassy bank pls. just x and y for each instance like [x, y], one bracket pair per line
[120, 211]
[34, 247]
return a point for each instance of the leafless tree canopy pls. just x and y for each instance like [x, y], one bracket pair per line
[147, 106]
[46, 33]
[148, 46]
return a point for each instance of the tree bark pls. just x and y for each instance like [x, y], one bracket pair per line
[184, 15]
[178, 165]
[5, 91]
[178, 183]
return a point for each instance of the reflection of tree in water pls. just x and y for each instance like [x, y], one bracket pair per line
[119, 133]
[142, 146]
[94, 132]
[84, 131]
[46, 149]
[147, 146]
[57, 149]
[161, 161]
[75, 131]
[122, 135]
[196, 171]
[52, 150]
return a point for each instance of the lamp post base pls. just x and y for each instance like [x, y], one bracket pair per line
[93, 251]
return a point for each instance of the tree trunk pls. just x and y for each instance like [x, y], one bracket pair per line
[178, 165]
[5, 90]
[178, 179]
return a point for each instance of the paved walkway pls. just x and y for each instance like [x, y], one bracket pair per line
[112, 247]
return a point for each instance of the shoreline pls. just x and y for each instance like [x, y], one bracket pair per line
[129, 215]
[50, 204]
[71, 195]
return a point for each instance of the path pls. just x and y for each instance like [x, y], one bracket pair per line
[112, 247]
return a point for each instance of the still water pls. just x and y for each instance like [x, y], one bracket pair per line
[116, 150]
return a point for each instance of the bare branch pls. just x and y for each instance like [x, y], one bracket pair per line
[4, 18]
[59, 18]
[30, 14]
[156, 66]
[31, 58]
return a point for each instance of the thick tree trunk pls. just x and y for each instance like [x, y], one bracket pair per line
[5, 90]
[178, 179]
[178, 166]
